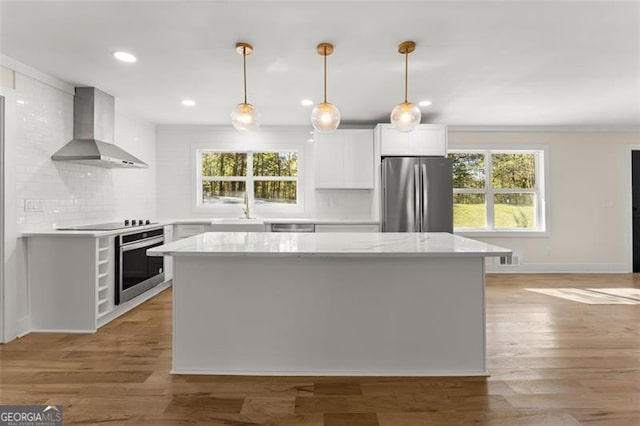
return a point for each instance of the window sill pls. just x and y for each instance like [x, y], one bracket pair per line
[503, 234]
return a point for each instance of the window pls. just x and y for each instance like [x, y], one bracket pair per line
[498, 190]
[258, 178]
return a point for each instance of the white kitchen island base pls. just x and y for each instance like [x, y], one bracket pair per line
[320, 314]
[327, 316]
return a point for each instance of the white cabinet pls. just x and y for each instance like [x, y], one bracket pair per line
[426, 139]
[71, 282]
[344, 159]
[185, 230]
[238, 227]
[348, 228]
[168, 260]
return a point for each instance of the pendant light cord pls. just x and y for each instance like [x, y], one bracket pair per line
[244, 66]
[325, 74]
[406, 74]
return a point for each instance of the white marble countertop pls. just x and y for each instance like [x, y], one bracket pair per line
[204, 221]
[91, 233]
[324, 221]
[233, 244]
[268, 221]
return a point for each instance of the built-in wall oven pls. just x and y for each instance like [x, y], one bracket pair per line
[135, 271]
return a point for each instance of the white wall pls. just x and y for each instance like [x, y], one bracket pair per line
[587, 192]
[175, 148]
[41, 121]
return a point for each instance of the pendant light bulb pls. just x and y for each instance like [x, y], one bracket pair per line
[406, 115]
[325, 116]
[245, 117]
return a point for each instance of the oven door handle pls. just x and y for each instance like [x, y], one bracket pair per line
[142, 244]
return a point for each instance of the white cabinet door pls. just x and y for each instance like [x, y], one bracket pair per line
[358, 159]
[189, 230]
[426, 139]
[344, 159]
[347, 228]
[168, 260]
[393, 142]
[329, 160]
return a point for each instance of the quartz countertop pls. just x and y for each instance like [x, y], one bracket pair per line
[324, 221]
[198, 221]
[234, 244]
[92, 233]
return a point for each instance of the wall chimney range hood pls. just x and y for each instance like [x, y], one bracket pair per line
[92, 143]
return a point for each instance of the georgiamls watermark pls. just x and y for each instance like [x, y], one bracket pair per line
[30, 415]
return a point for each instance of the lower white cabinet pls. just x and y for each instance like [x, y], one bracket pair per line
[344, 159]
[168, 260]
[348, 228]
[425, 140]
[237, 227]
[186, 230]
[71, 282]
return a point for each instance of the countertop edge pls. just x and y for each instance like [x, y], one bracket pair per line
[326, 254]
[212, 221]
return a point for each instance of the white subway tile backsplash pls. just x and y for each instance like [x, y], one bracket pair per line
[69, 193]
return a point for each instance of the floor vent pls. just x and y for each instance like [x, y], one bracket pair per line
[509, 260]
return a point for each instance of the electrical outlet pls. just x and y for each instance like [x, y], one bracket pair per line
[32, 206]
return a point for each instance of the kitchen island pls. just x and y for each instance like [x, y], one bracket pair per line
[406, 304]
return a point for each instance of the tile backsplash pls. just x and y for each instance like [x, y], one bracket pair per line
[54, 193]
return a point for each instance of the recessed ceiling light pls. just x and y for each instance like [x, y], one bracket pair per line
[306, 102]
[188, 102]
[124, 56]
[424, 103]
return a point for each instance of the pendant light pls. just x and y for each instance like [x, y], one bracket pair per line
[245, 117]
[325, 117]
[406, 115]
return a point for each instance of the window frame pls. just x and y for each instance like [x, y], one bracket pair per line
[249, 180]
[540, 191]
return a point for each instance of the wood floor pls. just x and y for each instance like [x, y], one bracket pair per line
[552, 362]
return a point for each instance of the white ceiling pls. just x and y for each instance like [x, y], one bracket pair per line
[480, 63]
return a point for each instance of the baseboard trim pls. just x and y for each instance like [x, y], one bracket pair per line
[567, 268]
[316, 373]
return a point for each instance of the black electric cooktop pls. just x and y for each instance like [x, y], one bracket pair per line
[109, 226]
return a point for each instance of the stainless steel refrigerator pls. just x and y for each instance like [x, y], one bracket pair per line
[417, 194]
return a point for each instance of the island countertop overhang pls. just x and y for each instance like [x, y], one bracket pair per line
[259, 244]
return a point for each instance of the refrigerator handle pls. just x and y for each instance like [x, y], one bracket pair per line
[416, 193]
[425, 199]
[384, 194]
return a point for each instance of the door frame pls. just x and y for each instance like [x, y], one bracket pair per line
[628, 208]
[2, 218]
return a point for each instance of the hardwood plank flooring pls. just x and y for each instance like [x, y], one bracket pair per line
[552, 362]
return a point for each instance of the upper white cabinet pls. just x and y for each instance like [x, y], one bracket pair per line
[426, 139]
[344, 159]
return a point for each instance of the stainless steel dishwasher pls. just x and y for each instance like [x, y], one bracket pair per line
[293, 227]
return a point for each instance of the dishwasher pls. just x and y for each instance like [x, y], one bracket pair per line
[293, 227]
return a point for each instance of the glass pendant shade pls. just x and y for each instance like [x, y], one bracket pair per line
[245, 117]
[405, 116]
[325, 117]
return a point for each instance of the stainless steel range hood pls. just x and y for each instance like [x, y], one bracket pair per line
[92, 143]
